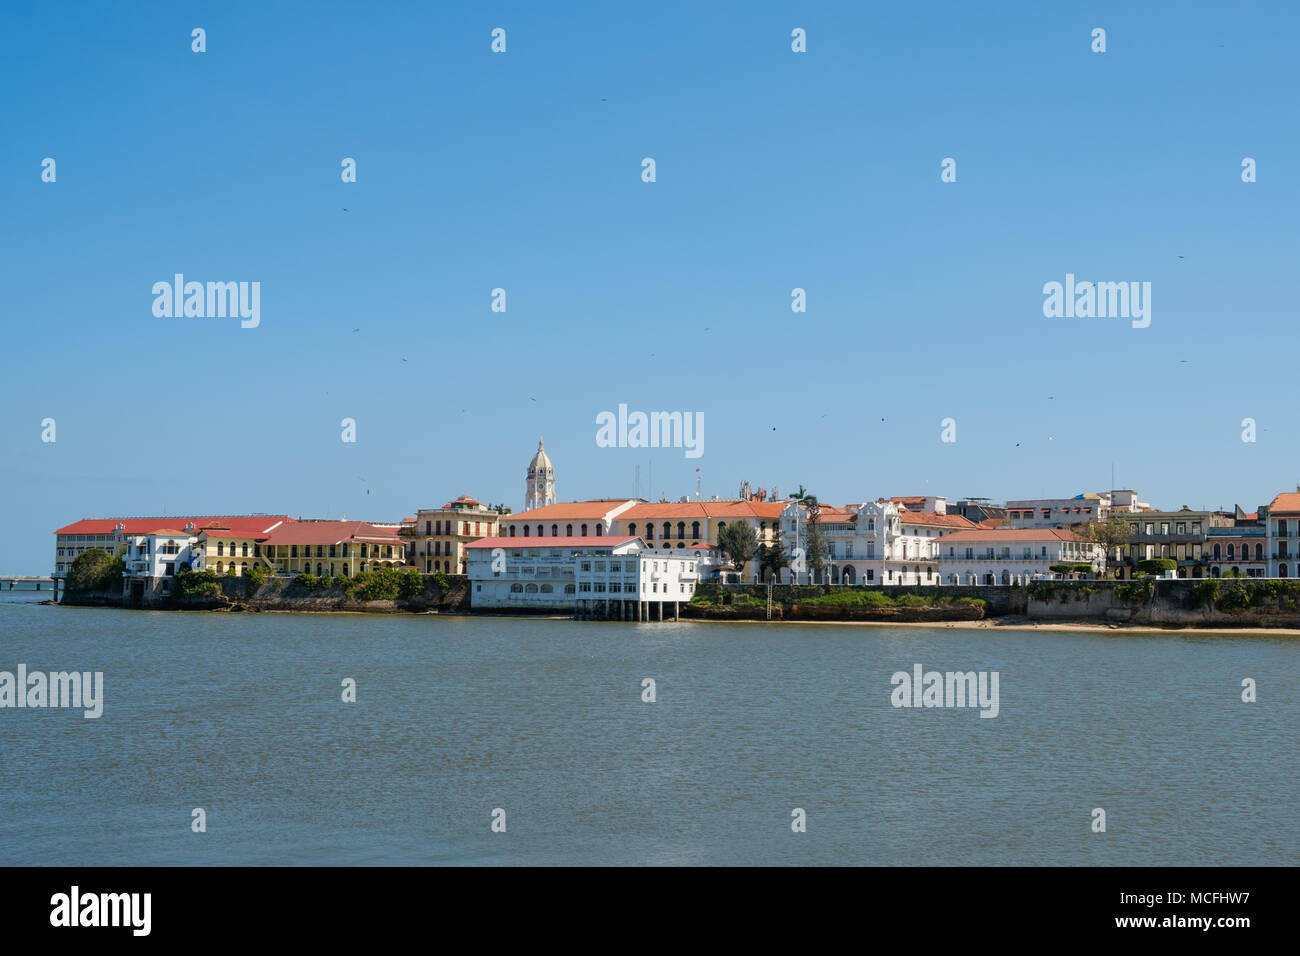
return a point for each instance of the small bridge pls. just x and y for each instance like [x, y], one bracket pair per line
[7, 582]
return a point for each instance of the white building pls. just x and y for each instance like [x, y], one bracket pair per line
[875, 543]
[151, 563]
[1058, 512]
[643, 586]
[535, 573]
[539, 485]
[1012, 556]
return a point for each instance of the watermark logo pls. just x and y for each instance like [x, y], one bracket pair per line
[1248, 430]
[102, 909]
[498, 300]
[1248, 690]
[948, 431]
[799, 40]
[499, 40]
[349, 432]
[1098, 820]
[48, 431]
[798, 300]
[217, 301]
[1102, 300]
[349, 173]
[498, 820]
[799, 823]
[951, 689]
[198, 820]
[1098, 40]
[48, 170]
[647, 170]
[948, 170]
[200, 37]
[653, 430]
[648, 690]
[1247, 170]
[498, 560]
[57, 689]
[349, 690]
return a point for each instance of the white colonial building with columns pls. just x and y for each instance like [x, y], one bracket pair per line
[876, 542]
[1013, 555]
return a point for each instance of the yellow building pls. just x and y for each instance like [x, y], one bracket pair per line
[221, 549]
[333, 548]
[438, 536]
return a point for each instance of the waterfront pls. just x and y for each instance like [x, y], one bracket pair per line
[241, 714]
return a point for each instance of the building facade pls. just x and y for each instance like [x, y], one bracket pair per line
[437, 538]
[333, 548]
[1282, 534]
[1004, 556]
[536, 573]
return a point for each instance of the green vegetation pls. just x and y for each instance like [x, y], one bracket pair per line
[95, 570]
[441, 581]
[738, 541]
[1135, 591]
[1156, 565]
[196, 584]
[256, 577]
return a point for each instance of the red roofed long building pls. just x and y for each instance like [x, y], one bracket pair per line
[334, 548]
[113, 534]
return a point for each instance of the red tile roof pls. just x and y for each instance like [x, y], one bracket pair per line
[703, 509]
[251, 523]
[576, 541]
[333, 532]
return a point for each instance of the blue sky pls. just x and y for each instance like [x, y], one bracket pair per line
[522, 170]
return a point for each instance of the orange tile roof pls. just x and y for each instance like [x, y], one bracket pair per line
[1288, 502]
[703, 509]
[563, 510]
[573, 541]
[1009, 534]
[935, 518]
[253, 523]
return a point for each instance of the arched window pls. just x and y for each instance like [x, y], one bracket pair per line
[584, 530]
[649, 531]
[1259, 552]
[530, 589]
[681, 529]
[568, 530]
[631, 529]
[568, 589]
[221, 548]
[721, 525]
[600, 530]
[516, 589]
[243, 568]
[320, 570]
[668, 530]
[512, 531]
[547, 588]
[220, 567]
[245, 550]
[525, 531]
[1232, 552]
[1216, 551]
[428, 527]
[695, 530]
[1281, 570]
[539, 531]
[555, 531]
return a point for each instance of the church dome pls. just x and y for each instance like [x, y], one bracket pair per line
[540, 466]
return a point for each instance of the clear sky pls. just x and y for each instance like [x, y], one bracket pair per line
[522, 170]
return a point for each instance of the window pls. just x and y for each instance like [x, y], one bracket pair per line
[516, 589]
[427, 526]
[584, 530]
[548, 588]
[695, 529]
[221, 548]
[345, 549]
[1181, 527]
[568, 530]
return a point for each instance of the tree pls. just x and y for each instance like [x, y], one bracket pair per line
[95, 570]
[816, 552]
[499, 509]
[738, 541]
[1156, 565]
[1111, 534]
[773, 559]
